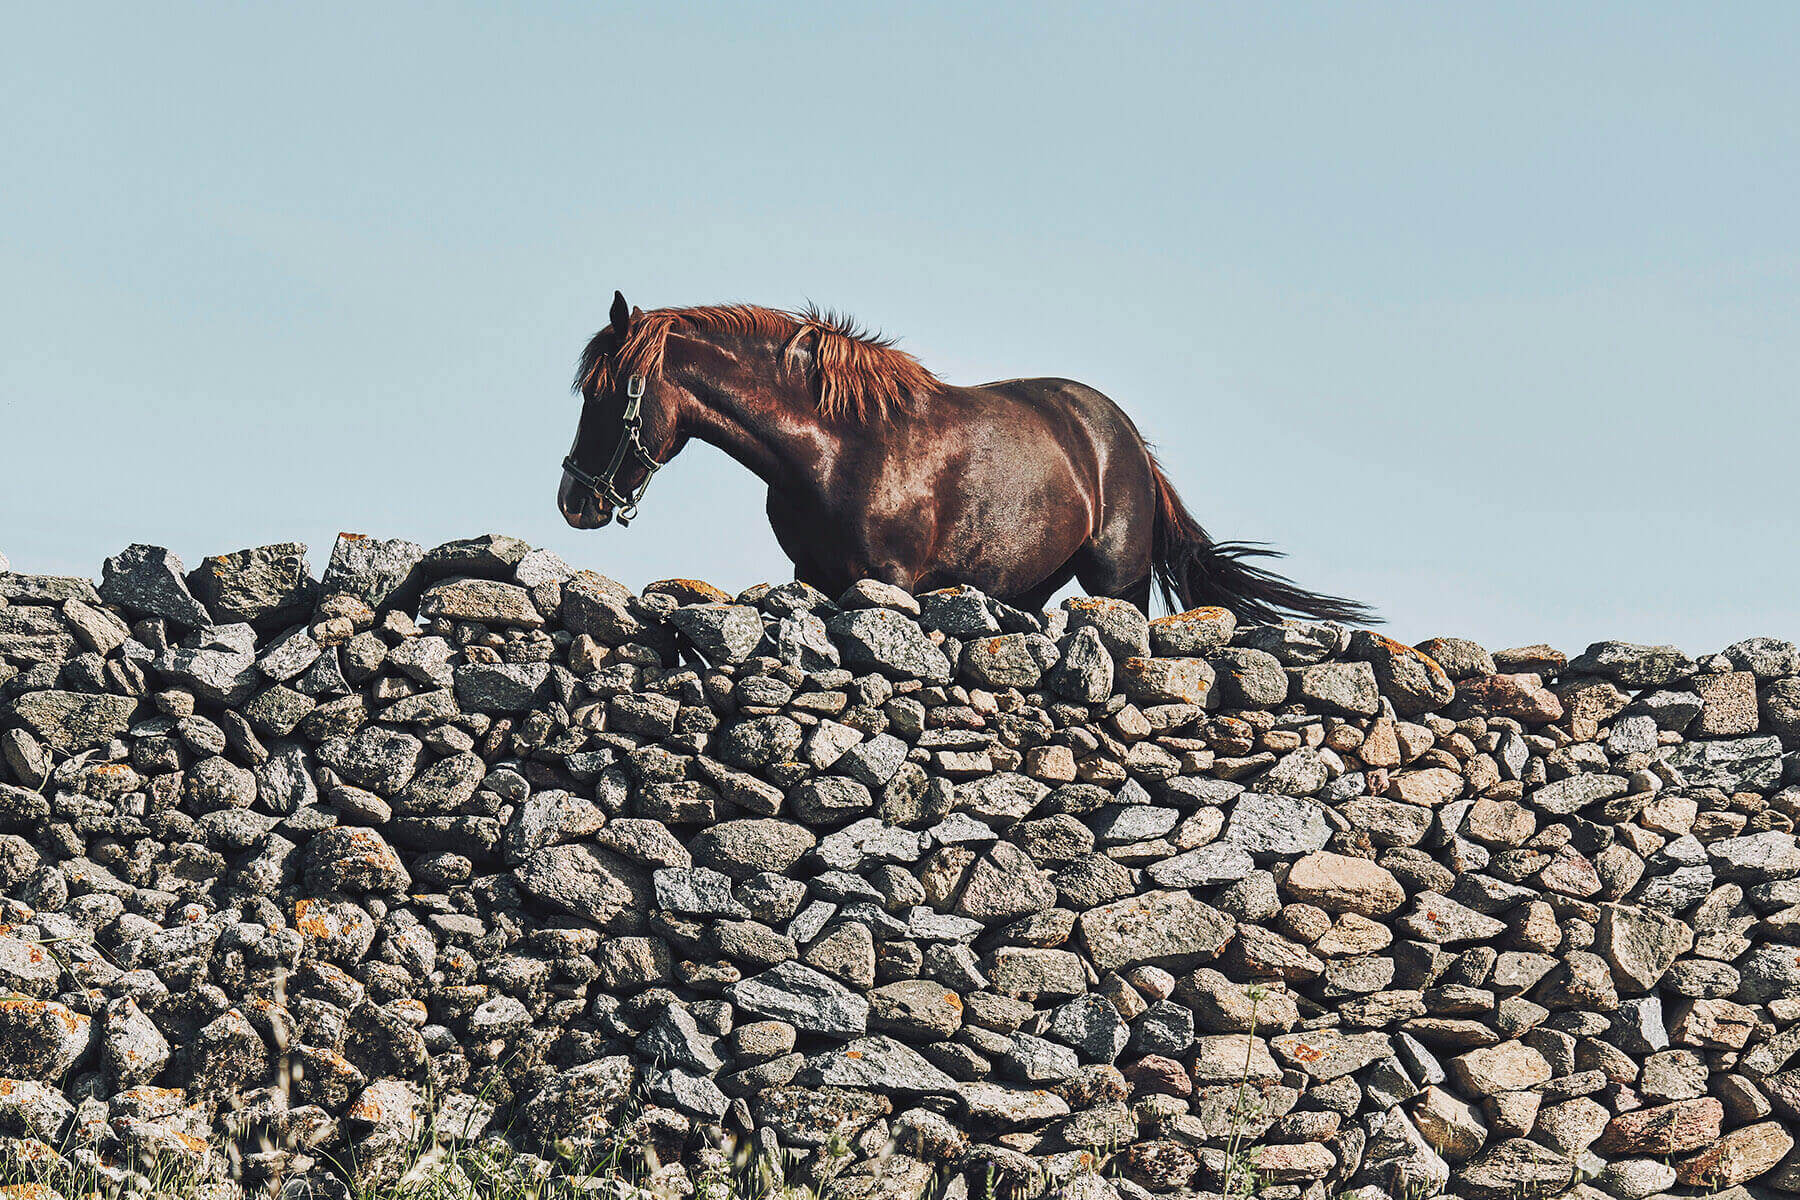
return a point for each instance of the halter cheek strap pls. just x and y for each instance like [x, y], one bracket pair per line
[604, 486]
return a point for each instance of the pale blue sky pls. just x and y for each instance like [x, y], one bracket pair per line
[1489, 315]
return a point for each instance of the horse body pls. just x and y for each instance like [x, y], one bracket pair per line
[878, 470]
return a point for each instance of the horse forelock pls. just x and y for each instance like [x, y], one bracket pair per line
[854, 373]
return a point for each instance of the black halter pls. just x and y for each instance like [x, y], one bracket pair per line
[604, 486]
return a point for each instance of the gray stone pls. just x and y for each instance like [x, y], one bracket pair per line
[500, 687]
[1209, 866]
[1160, 928]
[1093, 1027]
[885, 640]
[878, 1063]
[1249, 678]
[1633, 666]
[1271, 827]
[588, 882]
[1348, 688]
[1575, 793]
[151, 580]
[372, 569]
[264, 584]
[722, 633]
[805, 999]
[1733, 765]
[1084, 673]
[69, 722]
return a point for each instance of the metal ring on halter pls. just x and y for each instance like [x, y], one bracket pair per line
[605, 486]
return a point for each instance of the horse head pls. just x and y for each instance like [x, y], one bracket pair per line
[627, 426]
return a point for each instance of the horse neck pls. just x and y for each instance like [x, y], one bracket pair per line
[746, 406]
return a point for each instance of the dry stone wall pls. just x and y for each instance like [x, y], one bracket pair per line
[885, 893]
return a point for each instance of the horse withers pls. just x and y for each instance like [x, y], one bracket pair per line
[879, 470]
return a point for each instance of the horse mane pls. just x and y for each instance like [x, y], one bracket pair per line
[852, 372]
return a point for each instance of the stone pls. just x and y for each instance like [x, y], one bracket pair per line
[915, 1008]
[1008, 660]
[1338, 883]
[1192, 634]
[262, 585]
[1732, 764]
[1741, 1155]
[1004, 883]
[1728, 705]
[151, 581]
[1577, 792]
[1209, 866]
[1448, 1124]
[1010, 1107]
[885, 640]
[1122, 626]
[1249, 678]
[1521, 697]
[1161, 928]
[354, 860]
[70, 722]
[722, 633]
[1270, 826]
[1631, 665]
[500, 687]
[1348, 688]
[374, 570]
[1440, 920]
[485, 601]
[1640, 944]
[1663, 1129]
[877, 1063]
[1150, 681]
[588, 882]
[805, 999]
[752, 845]
[41, 1039]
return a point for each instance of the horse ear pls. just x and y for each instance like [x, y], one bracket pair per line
[621, 314]
[636, 312]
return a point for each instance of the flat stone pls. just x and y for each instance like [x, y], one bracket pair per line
[70, 722]
[878, 1063]
[1631, 665]
[1192, 634]
[1733, 764]
[1522, 697]
[1738, 1157]
[1160, 928]
[1270, 826]
[487, 601]
[1010, 1106]
[1663, 1129]
[805, 999]
[1326, 1054]
[1210, 865]
[1339, 883]
[588, 882]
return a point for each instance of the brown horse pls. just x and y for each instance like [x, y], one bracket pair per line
[878, 470]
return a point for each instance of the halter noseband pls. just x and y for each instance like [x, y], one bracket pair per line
[604, 486]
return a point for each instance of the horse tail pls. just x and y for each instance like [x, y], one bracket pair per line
[1191, 569]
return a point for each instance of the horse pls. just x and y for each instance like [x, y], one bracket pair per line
[879, 470]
